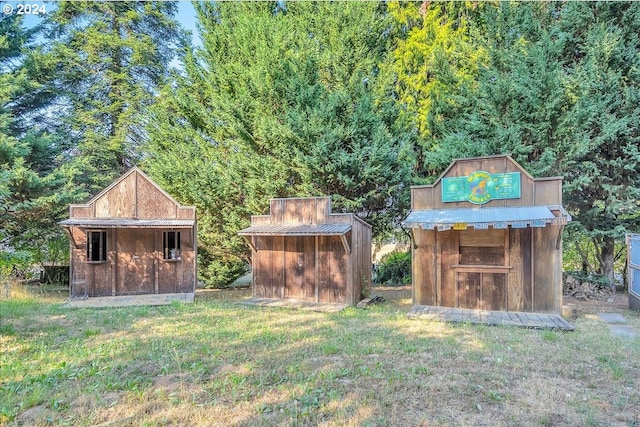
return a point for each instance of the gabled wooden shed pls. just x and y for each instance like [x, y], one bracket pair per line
[487, 235]
[132, 238]
[302, 251]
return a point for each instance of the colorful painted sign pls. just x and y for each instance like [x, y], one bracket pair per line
[481, 187]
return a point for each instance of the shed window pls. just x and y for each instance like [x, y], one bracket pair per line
[171, 245]
[96, 246]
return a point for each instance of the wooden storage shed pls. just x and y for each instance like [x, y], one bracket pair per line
[487, 235]
[132, 238]
[302, 251]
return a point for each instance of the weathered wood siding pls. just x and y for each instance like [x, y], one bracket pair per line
[135, 262]
[541, 191]
[118, 201]
[310, 268]
[360, 259]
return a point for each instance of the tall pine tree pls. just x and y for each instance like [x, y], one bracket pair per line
[110, 59]
[33, 191]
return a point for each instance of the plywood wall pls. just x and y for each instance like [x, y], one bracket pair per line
[118, 201]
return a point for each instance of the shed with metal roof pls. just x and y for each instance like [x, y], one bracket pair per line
[487, 235]
[303, 251]
[132, 238]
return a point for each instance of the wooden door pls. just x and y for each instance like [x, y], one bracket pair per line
[135, 274]
[481, 282]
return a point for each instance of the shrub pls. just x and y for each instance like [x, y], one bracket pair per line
[218, 274]
[394, 268]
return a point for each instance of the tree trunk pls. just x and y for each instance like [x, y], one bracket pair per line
[607, 254]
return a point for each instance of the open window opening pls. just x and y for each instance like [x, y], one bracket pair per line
[97, 246]
[171, 245]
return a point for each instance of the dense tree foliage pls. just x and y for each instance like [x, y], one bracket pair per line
[73, 92]
[110, 59]
[353, 100]
[558, 89]
[276, 105]
[33, 191]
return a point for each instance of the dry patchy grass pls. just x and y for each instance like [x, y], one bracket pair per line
[216, 362]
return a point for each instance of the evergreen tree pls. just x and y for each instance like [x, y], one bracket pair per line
[601, 168]
[437, 61]
[110, 58]
[33, 191]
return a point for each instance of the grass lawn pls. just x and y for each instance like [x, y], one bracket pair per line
[216, 362]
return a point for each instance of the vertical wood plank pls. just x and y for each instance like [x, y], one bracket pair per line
[323, 205]
[277, 266]
[295, 264]
[262, 268]
[276, 209]
[545, 286]
[493, 291]
[448, 257]
[515, 278]
[317, 267]
[309, 277]
[468, 290]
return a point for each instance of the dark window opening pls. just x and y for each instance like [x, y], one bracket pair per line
[97, 246]
[171, 245]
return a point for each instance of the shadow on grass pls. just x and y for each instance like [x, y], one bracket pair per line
[220, 363]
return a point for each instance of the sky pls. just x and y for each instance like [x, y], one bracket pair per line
[186, 13]
[187, 17]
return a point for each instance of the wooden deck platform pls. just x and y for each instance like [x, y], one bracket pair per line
[297, 304]
[486, 317]
[128, 300]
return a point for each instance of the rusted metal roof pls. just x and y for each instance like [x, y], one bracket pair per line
[297, 230]
[482, 218]
[127, 223]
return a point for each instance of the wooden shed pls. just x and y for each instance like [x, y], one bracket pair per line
[132, 238]
[302, 251]
[487, 235]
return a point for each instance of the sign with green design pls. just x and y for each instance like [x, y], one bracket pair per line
[481, 187]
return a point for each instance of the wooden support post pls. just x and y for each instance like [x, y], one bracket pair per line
[316, 272]
[113, 263]
[345, 244]
[533, 267]
[250, 243]
[559, 239]
[155, 260]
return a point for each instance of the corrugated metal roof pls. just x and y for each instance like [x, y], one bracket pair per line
[481, 218]
[127, 223]
[297, 230]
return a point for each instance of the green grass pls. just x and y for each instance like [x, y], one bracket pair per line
[215, 362]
